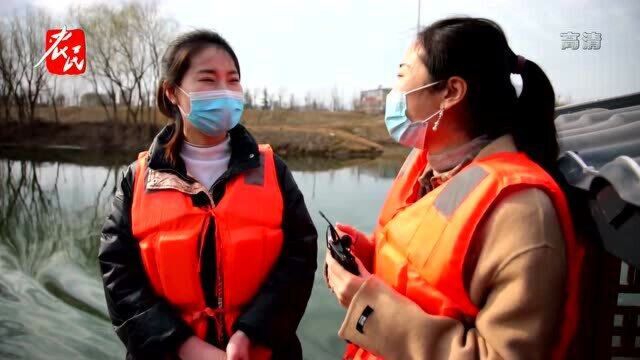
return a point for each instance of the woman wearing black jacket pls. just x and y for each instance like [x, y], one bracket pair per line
[207, 159]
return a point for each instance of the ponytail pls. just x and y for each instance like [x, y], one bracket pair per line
[476, 50]
[533, 128]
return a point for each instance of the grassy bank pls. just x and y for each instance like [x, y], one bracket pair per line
[341, 135]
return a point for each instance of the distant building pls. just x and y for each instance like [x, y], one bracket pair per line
[372, 101]
[93, 99]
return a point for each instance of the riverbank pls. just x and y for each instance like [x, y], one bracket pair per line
[335, 135]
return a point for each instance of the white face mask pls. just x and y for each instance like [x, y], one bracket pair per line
[400, 127]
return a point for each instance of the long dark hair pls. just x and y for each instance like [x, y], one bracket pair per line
[476, 49]
[175, 63]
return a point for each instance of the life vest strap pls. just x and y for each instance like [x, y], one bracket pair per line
[207, 312]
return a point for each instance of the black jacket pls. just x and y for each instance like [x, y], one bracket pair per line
[148, 325]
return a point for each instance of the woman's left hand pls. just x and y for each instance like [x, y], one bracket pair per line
[343, 283]
[238, 346]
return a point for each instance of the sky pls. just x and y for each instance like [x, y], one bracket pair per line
[301, 46]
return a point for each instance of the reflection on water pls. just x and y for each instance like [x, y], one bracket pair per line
[51, 212]
[51, 302]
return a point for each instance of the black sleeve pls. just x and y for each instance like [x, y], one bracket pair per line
[147, 325]
[273, 316]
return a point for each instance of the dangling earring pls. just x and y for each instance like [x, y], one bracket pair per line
[440, 113]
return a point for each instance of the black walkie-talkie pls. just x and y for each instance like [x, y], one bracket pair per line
[339, 247]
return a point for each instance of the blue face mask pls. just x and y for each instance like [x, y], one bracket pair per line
[400, 127]
[214, 112]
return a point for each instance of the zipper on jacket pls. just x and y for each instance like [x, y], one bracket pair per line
[219, 286]
[220, 322]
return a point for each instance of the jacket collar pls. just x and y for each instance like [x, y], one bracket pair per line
[429, 179]
[244, 152]
[504, 143]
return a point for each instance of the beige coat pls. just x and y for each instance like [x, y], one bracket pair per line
[517, 284]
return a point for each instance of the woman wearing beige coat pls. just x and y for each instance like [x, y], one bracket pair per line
[455, 105]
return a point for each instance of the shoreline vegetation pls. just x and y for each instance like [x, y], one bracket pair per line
[39, 113]
[339, 136]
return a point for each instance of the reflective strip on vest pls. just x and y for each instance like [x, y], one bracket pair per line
[421, 244]
[458, 188]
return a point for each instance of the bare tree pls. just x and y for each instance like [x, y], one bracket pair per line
[266, 104]
[248, 99]
[280, 101]
[134, 59]
[53, 99]
[336, 102]
[21, 42]
[292, 102]
[155, 32]
[101, 68]
[126, 44]
[255, 94]
[308, 101]
[5, 102]
[8, 73]
[30, 38]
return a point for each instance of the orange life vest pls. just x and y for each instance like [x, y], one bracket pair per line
[171, 232]
[422, 243]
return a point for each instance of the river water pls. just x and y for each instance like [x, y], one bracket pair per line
[51, 211]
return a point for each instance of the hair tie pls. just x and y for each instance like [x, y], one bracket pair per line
[519, 66]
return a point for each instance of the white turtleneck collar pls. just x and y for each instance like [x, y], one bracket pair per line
[206, 163]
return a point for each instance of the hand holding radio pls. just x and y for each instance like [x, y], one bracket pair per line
[340, 248]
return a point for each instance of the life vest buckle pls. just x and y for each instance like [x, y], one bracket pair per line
[206, 312]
